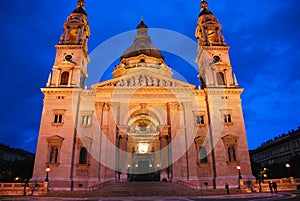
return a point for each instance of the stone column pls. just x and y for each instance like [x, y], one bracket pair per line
[164, 155]
[174, 122]
[123, 138]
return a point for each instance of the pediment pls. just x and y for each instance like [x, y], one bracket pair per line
[144, 78]
[55, 138]
[230, 139]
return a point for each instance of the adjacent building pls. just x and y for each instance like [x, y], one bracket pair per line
[279, 150]
[142, 124]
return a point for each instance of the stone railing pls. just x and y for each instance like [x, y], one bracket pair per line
[19, 189]
[284, 184]
[14, 189]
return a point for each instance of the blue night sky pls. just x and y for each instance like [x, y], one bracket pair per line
[264, 37]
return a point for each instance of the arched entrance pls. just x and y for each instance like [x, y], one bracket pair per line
[143, 164]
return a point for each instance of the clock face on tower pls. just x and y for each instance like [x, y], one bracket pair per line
[68, 57]
[216, 58]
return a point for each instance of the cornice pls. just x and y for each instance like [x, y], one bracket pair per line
[65, 47]
[216, 48]
[51, 90]
[223, 90]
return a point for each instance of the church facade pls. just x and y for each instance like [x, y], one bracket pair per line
[142, 124]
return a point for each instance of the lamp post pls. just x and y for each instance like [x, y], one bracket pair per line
[47, 178]
[47, 174]
[288, 166]
[240, 176]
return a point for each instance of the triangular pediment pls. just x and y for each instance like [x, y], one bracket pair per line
[144, 78]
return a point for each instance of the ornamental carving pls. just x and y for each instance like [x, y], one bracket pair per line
[174, 106]
[139, 81]
[106, 107]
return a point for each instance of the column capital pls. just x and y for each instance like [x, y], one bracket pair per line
[174, 106]
[123, 128]
[164, 128]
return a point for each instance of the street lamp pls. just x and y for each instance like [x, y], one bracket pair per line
[288, 167]
[47, 174]
[47, 178]
[240, 176]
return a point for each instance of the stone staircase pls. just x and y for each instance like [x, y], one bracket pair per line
[139, 189]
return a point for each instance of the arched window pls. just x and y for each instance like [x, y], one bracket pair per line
[64, 80]
[83, 156]
[203, 155]
[53, 155]
[220, 79]
[231, 153]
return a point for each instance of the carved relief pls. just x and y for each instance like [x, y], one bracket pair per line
[174, 106]
[139, 81]
[106, 107]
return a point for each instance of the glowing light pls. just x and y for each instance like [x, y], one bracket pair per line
[143, 148]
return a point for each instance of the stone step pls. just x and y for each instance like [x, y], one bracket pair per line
[139, 189]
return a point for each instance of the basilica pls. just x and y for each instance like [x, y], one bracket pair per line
[143, 124]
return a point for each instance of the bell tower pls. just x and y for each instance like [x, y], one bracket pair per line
[213, 59]
[70, 66]
[227, 134]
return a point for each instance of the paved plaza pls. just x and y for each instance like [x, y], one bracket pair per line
[253, 196]
[157, 191]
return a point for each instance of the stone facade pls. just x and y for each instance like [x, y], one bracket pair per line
[279, 150]
[142, 124]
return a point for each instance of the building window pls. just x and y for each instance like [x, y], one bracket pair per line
[199, 120]
[220, 79]
[201, 144]
[54, 146]
[83, 156]
[60, 97]
[203, 155]
[230, 144]
[53, 158]
[231, 153]
[58, 119]
[227, 118]
[64, 80]
[86, 120]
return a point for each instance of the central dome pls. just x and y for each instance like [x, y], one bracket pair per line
[142, 44]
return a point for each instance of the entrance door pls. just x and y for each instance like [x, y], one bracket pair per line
[143, 167]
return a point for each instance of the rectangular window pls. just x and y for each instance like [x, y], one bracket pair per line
[203, 155]
[60, 97]
[86, 120]
[200, 120]
[58, 119]
[227, 118]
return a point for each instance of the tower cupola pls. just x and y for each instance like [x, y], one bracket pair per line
[76, 29]
[209, 30]
[213, 60]
[70, 66]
